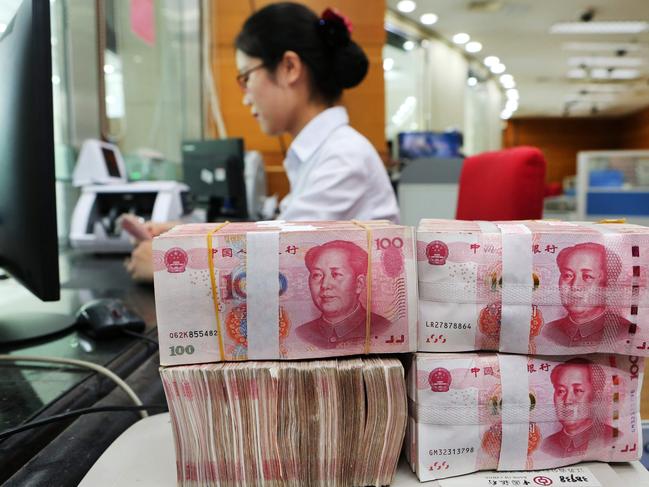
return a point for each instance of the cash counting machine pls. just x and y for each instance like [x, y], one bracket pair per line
[106, 194]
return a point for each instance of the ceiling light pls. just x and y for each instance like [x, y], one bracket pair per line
[498, 68]
[512, 94]
[506, 78]
[409, 45]
[577, 73]
[491, 61]
[109, 68]
[56, 80]
[603, 73]
[511, 105]
[388, 64]
[3, 27]
[606, 61]
[505, 114]
[601, 46]
[428, 19]
[603, 88]
[461, 38]
[472, 81]
[616, 27]
[600, 73]
[473, 47]
[406, 6]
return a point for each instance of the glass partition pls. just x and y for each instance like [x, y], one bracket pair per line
[150, 93]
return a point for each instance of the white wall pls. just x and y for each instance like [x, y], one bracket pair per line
[446, 73]
[483, 127]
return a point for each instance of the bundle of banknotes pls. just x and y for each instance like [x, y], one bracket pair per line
[470, 412]
[318, 423]
[533, 287]
[278, 290]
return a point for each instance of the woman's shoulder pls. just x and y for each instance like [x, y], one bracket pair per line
[346, 141]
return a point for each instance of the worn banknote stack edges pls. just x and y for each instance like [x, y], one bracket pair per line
[337, 422]
[490, 411]
[533, 287]
[280, 290]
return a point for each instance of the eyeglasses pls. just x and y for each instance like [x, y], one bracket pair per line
[242, 78]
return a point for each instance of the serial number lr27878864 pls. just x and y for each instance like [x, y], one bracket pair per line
[448, 325]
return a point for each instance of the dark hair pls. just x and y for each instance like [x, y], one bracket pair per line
[596, 375]
[610, 261]
[356, 255]
[335, 62]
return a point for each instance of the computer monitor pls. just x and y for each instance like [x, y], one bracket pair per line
[214, 172]
[28, 232]
[418, 145]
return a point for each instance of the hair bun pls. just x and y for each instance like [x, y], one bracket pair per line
[350, 65]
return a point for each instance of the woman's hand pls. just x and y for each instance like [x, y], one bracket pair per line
[140, 264]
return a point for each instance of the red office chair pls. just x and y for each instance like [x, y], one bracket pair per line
[502, 185]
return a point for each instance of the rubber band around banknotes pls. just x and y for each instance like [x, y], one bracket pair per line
[215, 290]
[368, 285]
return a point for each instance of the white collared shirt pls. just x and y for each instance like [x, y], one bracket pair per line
[336, 174]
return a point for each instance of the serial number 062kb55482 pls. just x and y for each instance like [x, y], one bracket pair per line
[179, 335]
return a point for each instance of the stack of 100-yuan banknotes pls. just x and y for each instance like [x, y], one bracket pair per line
[282, 291]
[565, 306]
[272, 293]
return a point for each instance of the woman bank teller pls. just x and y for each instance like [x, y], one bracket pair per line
[293, 67]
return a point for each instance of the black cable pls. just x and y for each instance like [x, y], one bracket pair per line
[139, 335]
[76, 412]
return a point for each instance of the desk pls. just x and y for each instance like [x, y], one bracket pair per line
[428, 188]
[33, 391]
[144, 456]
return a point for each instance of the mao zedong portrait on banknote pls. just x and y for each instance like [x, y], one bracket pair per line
[576, 384]
[585, 270]
[337, 280]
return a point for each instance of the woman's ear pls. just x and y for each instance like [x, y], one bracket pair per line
[291, 68]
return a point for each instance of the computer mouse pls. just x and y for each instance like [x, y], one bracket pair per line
[108, 318]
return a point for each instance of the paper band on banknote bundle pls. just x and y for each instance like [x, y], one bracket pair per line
[488, 227]
[514, 380]
[517, 287]
[368, 285]
[262, 289]
[215, 289]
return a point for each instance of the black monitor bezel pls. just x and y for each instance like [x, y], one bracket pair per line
[28, 230]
